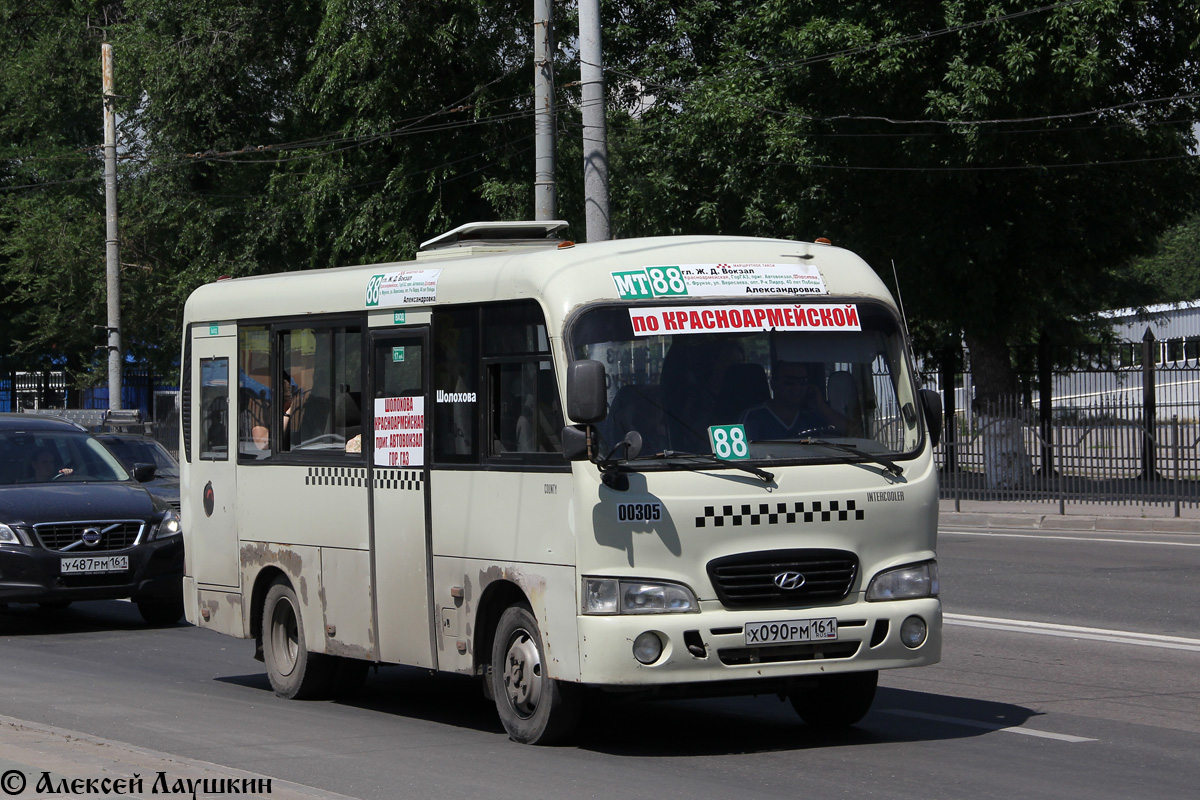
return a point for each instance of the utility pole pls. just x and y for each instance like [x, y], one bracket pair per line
[545, 198]
[595, 130]
[112, 251]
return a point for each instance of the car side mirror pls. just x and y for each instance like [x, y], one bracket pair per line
[587, 394]
[144, 473]
[932, 403]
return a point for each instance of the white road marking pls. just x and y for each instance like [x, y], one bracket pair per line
[990, 726]
[1074, 632]
[1070, 538]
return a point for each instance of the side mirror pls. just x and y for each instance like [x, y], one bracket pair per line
[144, 473]
[932, 403]
[574, 442]
[587, 395]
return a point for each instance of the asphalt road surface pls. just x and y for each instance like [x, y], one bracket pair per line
[1071, 669]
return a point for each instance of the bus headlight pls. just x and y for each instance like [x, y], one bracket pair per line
[613, 596]
[905, 583]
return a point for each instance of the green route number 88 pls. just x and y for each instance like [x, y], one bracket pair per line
[729, 442]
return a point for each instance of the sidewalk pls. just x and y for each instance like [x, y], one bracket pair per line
[1078, 517]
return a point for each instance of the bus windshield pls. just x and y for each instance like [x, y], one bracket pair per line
[805, 381]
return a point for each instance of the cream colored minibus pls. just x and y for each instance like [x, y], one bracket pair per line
[675, 466]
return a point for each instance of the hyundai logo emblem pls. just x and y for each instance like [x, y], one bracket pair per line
[91, 537]
[789, 581]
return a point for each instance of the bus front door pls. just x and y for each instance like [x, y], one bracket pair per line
[399, 498]
[210, 503]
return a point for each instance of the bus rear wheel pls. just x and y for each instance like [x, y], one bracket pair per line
[534, 709]
[294, 672]
[837, 701]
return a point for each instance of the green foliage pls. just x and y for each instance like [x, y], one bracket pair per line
[973, 158]
[1174, 269]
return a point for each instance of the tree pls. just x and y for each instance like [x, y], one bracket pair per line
[255, 137]
[1173, 270]
[51, 200]
[1010, 162]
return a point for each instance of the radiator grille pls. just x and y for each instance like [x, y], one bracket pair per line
[748, 580]
[70, 536]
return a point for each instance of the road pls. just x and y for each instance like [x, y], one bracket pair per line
[1071, 670]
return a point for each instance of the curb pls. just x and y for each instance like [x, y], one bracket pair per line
[1069, 522]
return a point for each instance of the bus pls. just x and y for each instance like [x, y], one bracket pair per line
[676, 466]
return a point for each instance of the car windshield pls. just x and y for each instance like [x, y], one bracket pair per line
[55, 456]
[767, 382]
[143, 451]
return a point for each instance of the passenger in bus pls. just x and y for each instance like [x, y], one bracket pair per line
[260, 431]
[797, 406]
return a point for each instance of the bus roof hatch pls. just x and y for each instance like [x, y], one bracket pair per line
[539, 233]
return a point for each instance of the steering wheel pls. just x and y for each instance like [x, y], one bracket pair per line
[59, 474]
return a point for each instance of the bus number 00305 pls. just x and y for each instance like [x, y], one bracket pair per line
[639, 512]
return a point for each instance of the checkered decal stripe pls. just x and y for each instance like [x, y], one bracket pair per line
[336, 476]
[775, 513]
[409, 480]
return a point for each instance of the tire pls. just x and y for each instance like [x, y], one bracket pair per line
[837, 701]
[294, 672]
[533, 708]
[161, 612]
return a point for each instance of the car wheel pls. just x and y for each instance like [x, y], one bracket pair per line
[294, 672]
[533, 708]
[837, 701]
[161, 612]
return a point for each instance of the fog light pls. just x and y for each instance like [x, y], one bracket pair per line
[647, 647]
[913, 631]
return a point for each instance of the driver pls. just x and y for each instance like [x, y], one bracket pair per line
[797, 405]
[44, 467]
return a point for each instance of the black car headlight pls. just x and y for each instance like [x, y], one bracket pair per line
[168, 527]
[13, 537]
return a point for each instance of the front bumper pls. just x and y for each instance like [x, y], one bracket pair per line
[710, 646]
[34, 575]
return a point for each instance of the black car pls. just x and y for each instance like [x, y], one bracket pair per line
[133, 449]
[75, 525]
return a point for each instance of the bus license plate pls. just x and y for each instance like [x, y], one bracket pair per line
[89, 565]
[790, 631]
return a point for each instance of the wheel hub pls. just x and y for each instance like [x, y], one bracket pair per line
[523, 674]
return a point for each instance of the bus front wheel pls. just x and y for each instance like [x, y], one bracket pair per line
[535, 709]
[837, 701]
[294, 672]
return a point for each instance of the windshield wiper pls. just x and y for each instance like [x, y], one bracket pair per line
[761, 474]
[888, 464]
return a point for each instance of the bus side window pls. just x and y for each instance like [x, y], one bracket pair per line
[254, 392]
[214, 409]
[524, 412]
[323, 376]
[455, 392]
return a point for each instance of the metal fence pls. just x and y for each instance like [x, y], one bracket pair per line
[1119, 436]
